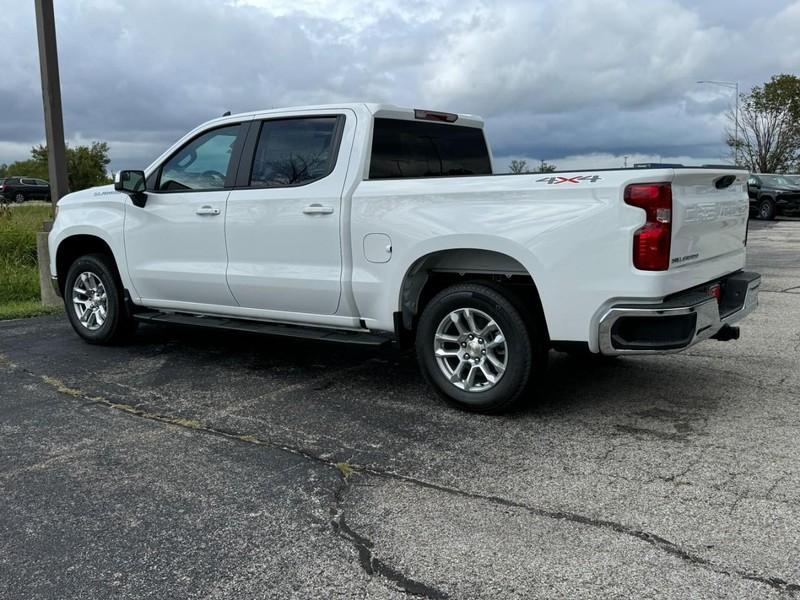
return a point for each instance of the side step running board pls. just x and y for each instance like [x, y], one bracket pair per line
[309, 333]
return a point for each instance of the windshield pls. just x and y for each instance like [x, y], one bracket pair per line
[778, 180]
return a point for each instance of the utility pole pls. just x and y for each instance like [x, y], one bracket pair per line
[54, 131]
[626, 160]
[735, 86]
[51, 97]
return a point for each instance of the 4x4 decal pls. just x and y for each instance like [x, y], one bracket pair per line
[577, 179]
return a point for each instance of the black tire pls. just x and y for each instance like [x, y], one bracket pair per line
[525, 348]
[766, 209]
[117, 324]
[19, 197]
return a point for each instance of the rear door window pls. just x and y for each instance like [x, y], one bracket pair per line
[403, 148]
[294, 151]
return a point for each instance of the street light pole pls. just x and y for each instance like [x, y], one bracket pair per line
[51, 97]
[733, 85]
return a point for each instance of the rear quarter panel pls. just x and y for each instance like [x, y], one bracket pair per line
[574, 237]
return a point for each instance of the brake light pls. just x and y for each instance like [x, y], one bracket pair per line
[651, 242]
[432, 115]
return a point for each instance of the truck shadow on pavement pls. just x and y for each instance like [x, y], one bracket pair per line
[571, 384]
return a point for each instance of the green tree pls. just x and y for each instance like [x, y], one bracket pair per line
[518, 167]
[86, 165]
[768, 139]
[27, 168]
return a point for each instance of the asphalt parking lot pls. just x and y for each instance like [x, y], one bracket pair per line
[214, 465]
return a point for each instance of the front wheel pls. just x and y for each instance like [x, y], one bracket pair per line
[477, 350]
[94, 300]
[766, 210]
[19, 197]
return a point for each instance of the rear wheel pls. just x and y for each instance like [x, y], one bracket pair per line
[477, 350]
[766, 209]
[94, 300]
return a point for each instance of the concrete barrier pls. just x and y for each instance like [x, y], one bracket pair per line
[49, 297]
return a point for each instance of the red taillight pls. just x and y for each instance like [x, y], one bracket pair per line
[651, 242]
[432, 115]
[715, 289]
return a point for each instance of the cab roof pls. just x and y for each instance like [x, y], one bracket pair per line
[379, 110]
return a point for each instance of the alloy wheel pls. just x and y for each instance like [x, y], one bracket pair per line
[90, 300]
[471, 350]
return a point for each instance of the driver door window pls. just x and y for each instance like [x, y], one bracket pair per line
[202, 164]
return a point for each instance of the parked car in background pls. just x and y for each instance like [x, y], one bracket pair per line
[20, 189]
[773, 195]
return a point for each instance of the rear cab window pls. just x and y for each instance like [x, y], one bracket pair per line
[405, 148]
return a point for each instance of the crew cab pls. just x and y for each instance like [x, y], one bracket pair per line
[773, 195]
[370, 223]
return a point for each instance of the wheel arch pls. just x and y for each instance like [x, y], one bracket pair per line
[75, 246]
[438, 269]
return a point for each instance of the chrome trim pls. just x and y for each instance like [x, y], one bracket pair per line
[54, 284]
[708, 323]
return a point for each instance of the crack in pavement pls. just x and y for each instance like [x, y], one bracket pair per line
[369, 562]
[373, 565]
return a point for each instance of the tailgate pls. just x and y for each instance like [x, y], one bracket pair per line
[709, 217]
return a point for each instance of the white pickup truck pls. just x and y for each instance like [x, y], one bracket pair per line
[369, 223]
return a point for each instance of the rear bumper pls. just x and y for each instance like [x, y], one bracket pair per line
[680, 321]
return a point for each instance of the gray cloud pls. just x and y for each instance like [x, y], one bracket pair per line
[571, 78]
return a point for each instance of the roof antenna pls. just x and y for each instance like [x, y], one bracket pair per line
[227, 113]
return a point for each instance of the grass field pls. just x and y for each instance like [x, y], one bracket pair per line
[19, 275]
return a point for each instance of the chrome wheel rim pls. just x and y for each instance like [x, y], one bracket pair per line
[764, 210]
[471, 350]
[90, 301]
[19, 198]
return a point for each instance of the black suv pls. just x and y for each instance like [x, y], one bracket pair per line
[19, 189]
[772, 195]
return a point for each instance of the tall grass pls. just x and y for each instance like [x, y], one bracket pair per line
[19, 275]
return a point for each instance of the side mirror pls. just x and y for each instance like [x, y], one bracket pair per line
[133, 184]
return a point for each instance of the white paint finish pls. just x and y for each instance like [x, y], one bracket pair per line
[574, 238]
[377, 247]
[284, 244]
[174, 253]
[707, 222]
[99, 212]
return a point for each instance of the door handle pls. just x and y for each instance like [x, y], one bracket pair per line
[207, 210]
[317, 209]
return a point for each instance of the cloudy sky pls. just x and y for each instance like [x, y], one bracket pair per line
[579, 83]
